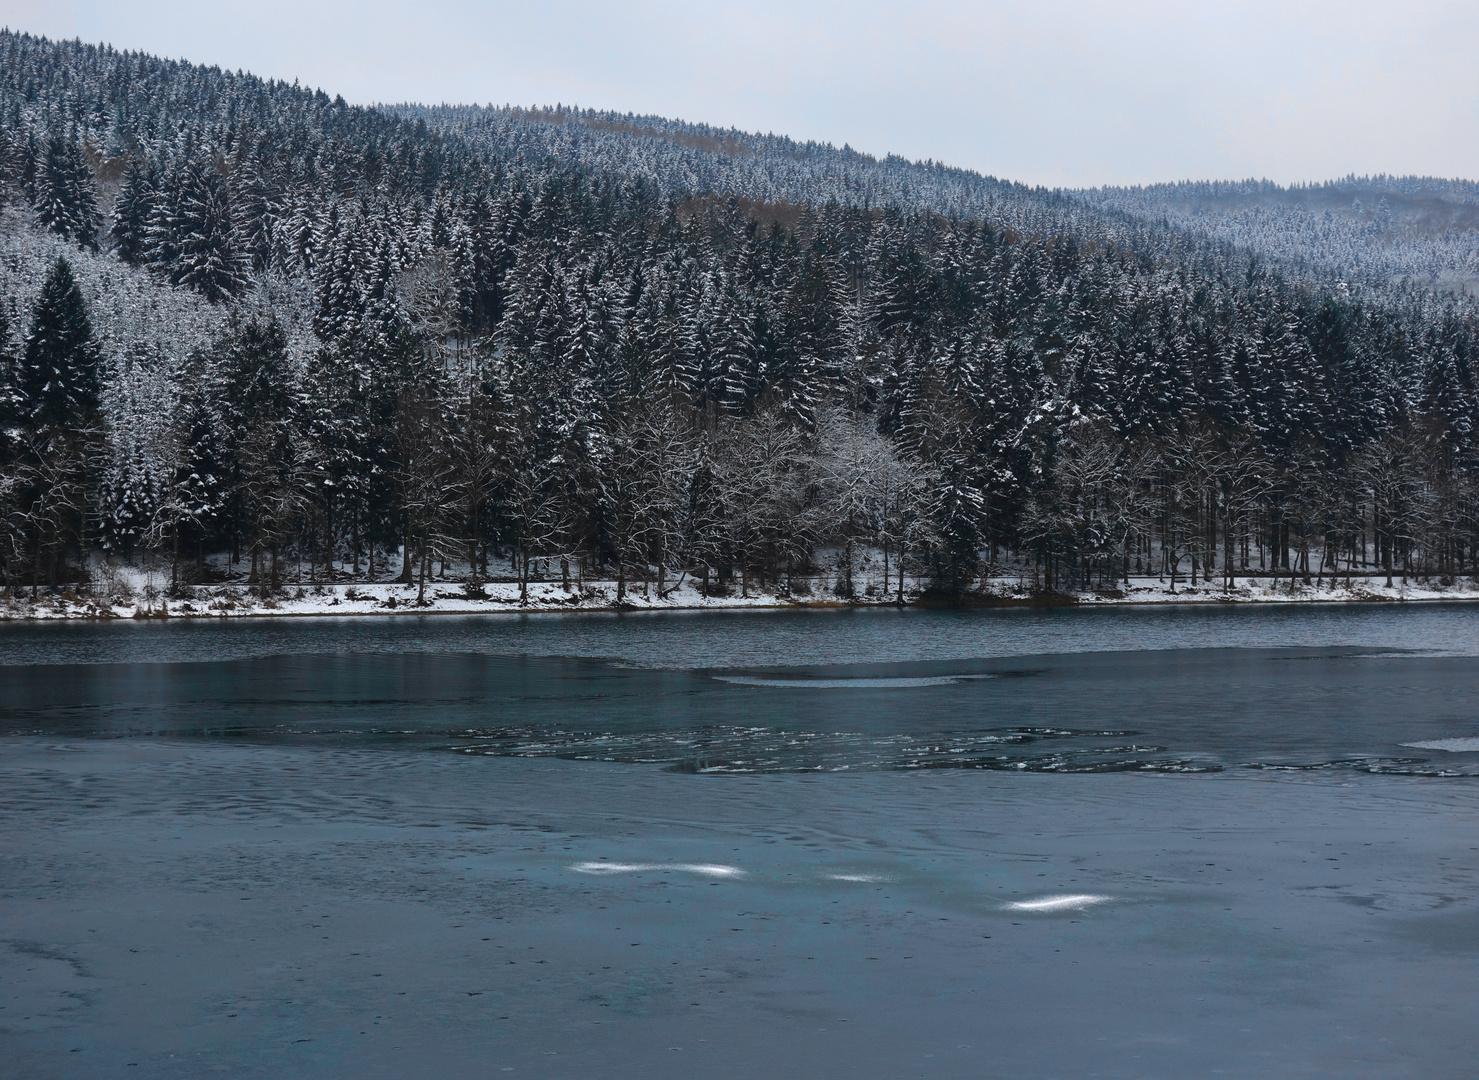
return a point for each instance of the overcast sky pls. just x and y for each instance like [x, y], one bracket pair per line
[1072, 94]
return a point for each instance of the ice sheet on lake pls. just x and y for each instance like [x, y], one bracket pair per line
[852, 684]
[1457, 746]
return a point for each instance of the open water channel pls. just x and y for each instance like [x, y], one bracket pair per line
[1110, 843]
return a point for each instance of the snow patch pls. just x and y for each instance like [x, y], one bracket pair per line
[124, 591]
[1465, 745]
[1067, 902]
[604, 868]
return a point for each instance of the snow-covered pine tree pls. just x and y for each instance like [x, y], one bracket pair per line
[204, 237]
[132, 211]
[65, 198]
[57, 376]
[55, 401]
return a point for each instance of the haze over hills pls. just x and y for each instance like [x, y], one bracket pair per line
[243, 317]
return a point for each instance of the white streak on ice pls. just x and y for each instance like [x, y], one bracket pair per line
[859, 877]
[705, 869]
[1070, 902]
[851, 684]
[1456, 746]
[710, 869]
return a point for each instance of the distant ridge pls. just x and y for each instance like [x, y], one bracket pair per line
[1424, 237]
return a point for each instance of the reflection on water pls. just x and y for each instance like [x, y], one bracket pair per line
[748, 639]
[1336, 708]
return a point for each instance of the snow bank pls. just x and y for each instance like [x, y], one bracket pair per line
[138, 594]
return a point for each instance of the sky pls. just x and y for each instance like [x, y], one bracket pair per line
[1066, 94]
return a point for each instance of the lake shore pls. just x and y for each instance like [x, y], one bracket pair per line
[145, 599]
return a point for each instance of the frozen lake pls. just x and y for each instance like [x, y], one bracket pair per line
[1129, 843]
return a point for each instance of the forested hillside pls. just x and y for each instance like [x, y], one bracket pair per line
[239, 316]
[1396, 234]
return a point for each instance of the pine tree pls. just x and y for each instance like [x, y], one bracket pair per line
[161, 246]
[57, 379]
[12, 416]
[132, 210]
[53, 444]
[64, 200]
[12, 167]
[956, 510]
[258, 205]
[204, 237]
[12, 475]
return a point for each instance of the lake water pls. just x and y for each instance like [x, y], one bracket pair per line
[1114, 843]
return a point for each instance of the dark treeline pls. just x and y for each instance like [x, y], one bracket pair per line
[240, 317]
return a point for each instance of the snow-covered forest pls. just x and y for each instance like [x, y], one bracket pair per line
[241, 318]
[1398, 233]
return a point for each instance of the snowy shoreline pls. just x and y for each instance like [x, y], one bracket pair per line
[452, 598]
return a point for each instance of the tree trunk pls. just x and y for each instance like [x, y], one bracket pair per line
[424, 563]
[847, 553]
[472, 553]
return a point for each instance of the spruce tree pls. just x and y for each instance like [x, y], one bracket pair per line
[198, 485]
[207, 260]
[57, 378]
[64, 198]
[12, 154]
[132, 210]
[51, 446]
[12, 415]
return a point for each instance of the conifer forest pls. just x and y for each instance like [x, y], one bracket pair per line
[252, 333]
